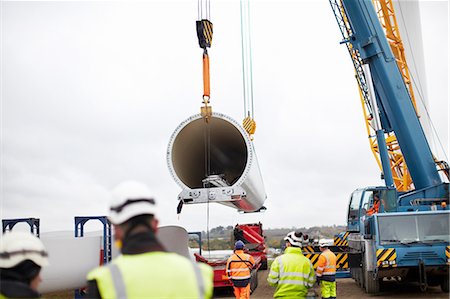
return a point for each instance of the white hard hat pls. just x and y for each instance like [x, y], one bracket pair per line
[130, 199]
[323, 244]
[294, 238]
[16, 247]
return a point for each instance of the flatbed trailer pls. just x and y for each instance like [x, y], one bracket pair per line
[220, 276]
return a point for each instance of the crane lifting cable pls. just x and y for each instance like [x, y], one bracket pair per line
[205, 34]
[249, 123]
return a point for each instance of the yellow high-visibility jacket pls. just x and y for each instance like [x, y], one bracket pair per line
[292, 273]
[156, 274]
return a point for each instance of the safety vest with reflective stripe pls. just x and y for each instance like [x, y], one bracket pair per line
[292, 273]
[153, 275]
[326, 266]
[239, 265]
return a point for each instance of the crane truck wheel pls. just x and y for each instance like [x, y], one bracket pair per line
[444, 285]
[359, 278]
[372, 285]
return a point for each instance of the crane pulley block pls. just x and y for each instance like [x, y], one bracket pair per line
[204, 33]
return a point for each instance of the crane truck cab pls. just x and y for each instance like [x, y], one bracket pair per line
[362, 200]
[398, 245]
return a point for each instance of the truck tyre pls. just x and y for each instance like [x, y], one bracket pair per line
[253, 281]
[444, 285]
[360, 278]
[357, 276]
[372, 285]
[263, 265]
[360, 272]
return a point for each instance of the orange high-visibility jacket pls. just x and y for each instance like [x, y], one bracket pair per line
[326, 266]
[239, 265]
[374, 209]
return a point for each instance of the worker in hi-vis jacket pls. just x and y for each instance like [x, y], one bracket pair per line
[326, 272]
[376, 206]
[145, 269]
[292, 273]
[239, 268]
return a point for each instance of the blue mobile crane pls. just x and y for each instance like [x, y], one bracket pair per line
[407, 238]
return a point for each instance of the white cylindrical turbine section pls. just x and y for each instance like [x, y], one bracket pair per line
[215, 161]
[409, 22]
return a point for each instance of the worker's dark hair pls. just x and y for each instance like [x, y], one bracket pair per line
[137, 221]
[24, 272]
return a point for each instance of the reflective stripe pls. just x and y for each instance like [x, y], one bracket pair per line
[328, 269]
[273, 273]
[200, 282]
[281, 266]
[296, 274]
[272, 280]
[297, 282]
[285, 277]
[118, 283]
[238, 270]
[328, 266]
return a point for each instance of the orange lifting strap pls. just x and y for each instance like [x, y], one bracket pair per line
[204, 34]
[206, 90]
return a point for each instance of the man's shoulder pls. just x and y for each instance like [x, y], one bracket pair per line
[170, 257]
[167, 258]
[248, 255]
[96, 272]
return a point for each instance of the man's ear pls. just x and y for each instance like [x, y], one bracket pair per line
[154, 224]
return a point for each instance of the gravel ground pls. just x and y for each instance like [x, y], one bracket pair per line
[347, 288]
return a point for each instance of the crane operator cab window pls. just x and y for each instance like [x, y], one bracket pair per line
[377, 201]
[362, 205]
[353, 211]
[367, 202]
[388, 200]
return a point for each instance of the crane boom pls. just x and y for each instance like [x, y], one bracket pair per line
[396, 109]
[386, 15]
[383, 223]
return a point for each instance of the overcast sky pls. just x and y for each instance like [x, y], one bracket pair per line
[92, 91]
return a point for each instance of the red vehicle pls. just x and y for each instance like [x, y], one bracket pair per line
[252, 236]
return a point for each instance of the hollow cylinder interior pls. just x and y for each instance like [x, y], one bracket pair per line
[202, 149]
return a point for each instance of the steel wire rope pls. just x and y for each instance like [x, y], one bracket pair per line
[207, 132]
[208, 14]
[207, 9]
[207, 227]
[247, 63]
[420, 90]
[207, 143]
